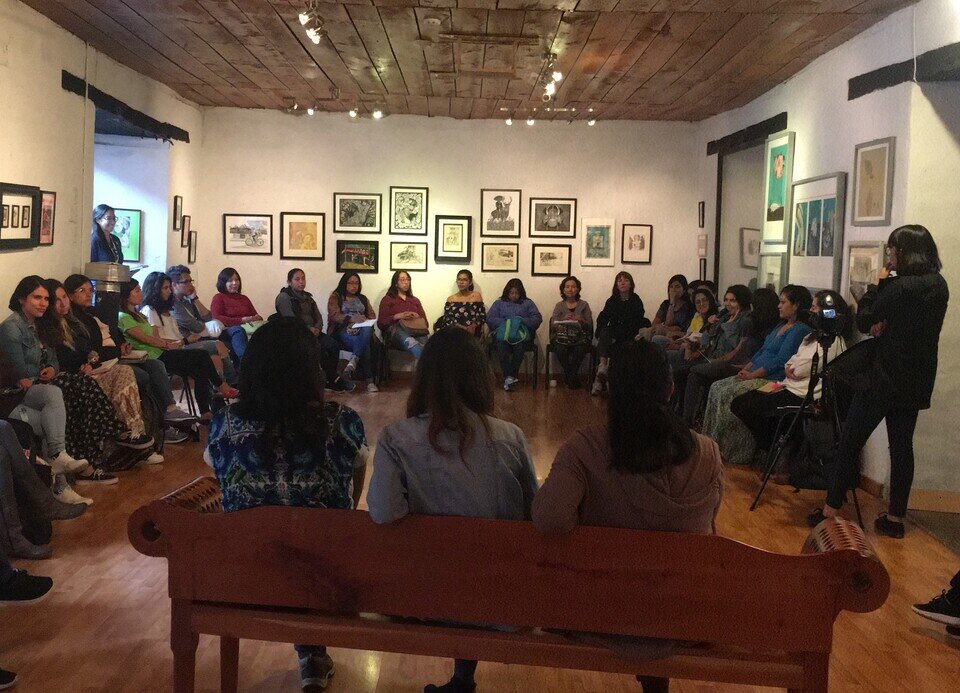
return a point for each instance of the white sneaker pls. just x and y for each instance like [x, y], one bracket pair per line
[372, 387]
[507, 384]
[68, 495]
[155, 458]
[597, 387]
[602, 369]
[65, 464]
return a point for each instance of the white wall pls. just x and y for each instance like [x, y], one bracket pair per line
[742, 208]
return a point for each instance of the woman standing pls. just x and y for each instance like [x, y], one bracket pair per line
[403, 321]
[234, 310]
[618, 322]
[513, 319]
[904, 314]
[465, 308]
[104, 246]
[571, 330]
[346, 308]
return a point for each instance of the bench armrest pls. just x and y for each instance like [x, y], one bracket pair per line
[202, 495]
[866, 580]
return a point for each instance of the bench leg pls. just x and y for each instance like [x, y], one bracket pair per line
[229, 664]
[816, 672]
[183, 642]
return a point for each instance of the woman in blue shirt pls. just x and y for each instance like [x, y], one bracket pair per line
[509, 341]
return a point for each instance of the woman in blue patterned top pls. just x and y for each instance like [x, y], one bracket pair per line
[281, 444]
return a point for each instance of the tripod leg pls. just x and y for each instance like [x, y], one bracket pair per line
[774, 455]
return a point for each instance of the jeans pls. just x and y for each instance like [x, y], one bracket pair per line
[329, 356]
[756, 409]
[359, 345]
[398, 336]
[570, 357]
[210, 347]
[22, 494]
[152, 376]
[43, 408]
[511, 356]
[197, 365]
[236, 339]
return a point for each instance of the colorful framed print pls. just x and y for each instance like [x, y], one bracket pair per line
[454, 240]
[550, 260]
[178, 216]
[597, 243]
[750, 247]
[500, 257]
[817, 231]
[22, 227]
[129, 230]
[192, 248]
[873, 182]
[48, 214]
[248, 234]
[636, 244]
[185, 231]
[865, 259]
[302, 235]
[358, 256]
[772, 269]
[356, 212]
[553, 217]
[778, 174]
[500, 213]
[411, 257]
[408, 210]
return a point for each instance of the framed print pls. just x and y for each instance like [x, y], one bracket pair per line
[703, 268]
[864, 261]
[778, 174]
[48, 214]
[873, 182]
[454, 240]
[192, 247]
[129, 230]
[178, 215]
[6, 217]
[185, 231]
[636, 244]
[596, 247]
[356, 212]
[358, 256]
[750, 247]
[701, 214]
[772, 270]
[15, 217]
[411, 257]
[302, 235]
[408, 210]
[25, 216]
[500, 257]
[500, 213]
[550, 260]
[817, 231]
[248, 234]
[553, 217]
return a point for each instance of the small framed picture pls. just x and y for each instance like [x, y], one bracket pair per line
[500, 257]
[25, 216]
[750, 247]
[411, 257]
[500, 213]
[550, 260]
[18, 202]
[865, 259]
[778, 176]
[358, 256]
[356, 212]
[302, 235]
[454, 240]
[408, 210]
[192, 247]
[129, 230]
[178, 214]
[702, 214]
[6, 217]
[553, 217]
[185, 231]
[596, 247]
[248, 234]
[772, 270]
[15, 217]
[48, 214]
[873, 182]
[636, 244]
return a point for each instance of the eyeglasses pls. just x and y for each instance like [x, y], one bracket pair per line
[185, 281]
[83, 290]
[108, 218]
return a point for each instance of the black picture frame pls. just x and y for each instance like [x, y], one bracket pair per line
[192, 248]
[5, 222]
[372, 249]
[185, 231]
[537, 247]
[487, 248]
[337, 221]
[406, 267]
[12, 237]
[177, 212]
[253, 240]
[424, 228]
[533, 231]
[441, 254]
[489, 203]
[701, 214]
[635, 252]
[317, 217]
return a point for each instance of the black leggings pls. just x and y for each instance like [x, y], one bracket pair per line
[755, 408]
[196, 364]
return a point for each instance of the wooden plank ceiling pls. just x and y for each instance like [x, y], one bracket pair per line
[624, 59]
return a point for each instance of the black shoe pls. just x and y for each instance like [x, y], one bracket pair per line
[815, 518]
[31, 552]
[7, 679]
[66, 511]
[884, 525]
[24, 588]
[140, 442]
[953, 632]
[940, 609]
[454, 685]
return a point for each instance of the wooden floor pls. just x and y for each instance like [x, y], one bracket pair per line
[105, 625]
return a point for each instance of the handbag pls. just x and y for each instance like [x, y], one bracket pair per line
[569, 333]
[513, 331]
[416, 327]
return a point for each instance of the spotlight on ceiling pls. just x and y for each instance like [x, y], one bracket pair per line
[353, 113]
[310, 111]
[550, 89]
[312, 22]
[592, 122]
[530, 121]
[377, 114]
[509, 121]
[557, 76]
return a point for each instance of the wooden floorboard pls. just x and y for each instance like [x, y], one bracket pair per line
[105, 625]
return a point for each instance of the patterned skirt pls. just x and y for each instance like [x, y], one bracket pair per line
[737, 444]
[120, 386]
[91, 418]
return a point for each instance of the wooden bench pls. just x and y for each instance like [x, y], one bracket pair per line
[319, 577]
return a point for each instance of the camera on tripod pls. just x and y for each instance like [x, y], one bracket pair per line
[828, 324]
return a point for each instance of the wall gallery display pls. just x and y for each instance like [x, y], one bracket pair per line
[192, 247]
[817, 233]
[772, 270]
[596, 247]
[358, 256]
[778, 173]
[408, 210]
[873, 182]
[248, 234]
[356, 212]
[500, 257]
[550, 260]
[750, 247]
[185, 231]
[129, 229]
[500, 213]
[302, 235]
[864, 261]
[21, 227]
[48, 215]
[553, 217]
[410, 257]
[178, 214]
[454, 239]
[636, 244]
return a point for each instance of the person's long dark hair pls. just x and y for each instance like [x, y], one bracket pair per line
[24, 288]
[50, 327]
[514, 283]
[633, 285]
[225, 274]
[452, 380]
[682, 279]
[742, 295]
[281, 384]
[73, 322]
[711, 299]
[916, 250]
[644, 432]
[153, 292]
[99, 212]
[341, 290]
[765, 310]
[395, 289]
[798, 295]
[469, 276]
[125, 289]
[570, 278]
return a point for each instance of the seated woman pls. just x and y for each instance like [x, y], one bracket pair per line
[281, 444]
[186, 363]
[571, 330]
[234, 310]
[346, 307]
[465, 308]
[451, 456]
[402, 320]
[294, 301]
[674, 314]
[513, 320]
[705, 305]
[618, 322]
[736, 443]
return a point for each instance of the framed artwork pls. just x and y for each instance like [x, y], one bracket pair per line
[411, 257]
[192, 247]
[454, 240]
[48, 214]
[817, 231]
[500, 257]
[248, 234]
[873, 182]
[701, 214]
[358, 256]
[553, 217]
[596, 247]
[6, 217]
[15, 217]
[18, 202]
[550, 260]
[778, 174]
[408, 210]
[750, 247]
[356, 212]
[25, 216]
[178, 215]
[129, 230]
[636, 244]
[772, 270]
[500, 213]
[864, 261]
[302, 235]
[703, 268]
[185, 231]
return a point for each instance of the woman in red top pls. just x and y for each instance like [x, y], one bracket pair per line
[399, 306]
[234, 310]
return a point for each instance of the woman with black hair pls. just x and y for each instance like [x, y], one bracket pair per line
[571, 329]
[895, 371]
[513, 320]
[104, 246]
[346, 308]
[618, 322]
[674, 314]
[234, 310]
[402, 321]
[465, 308]
[705, 305]
[281, 444]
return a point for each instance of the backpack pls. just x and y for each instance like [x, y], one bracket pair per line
[513, 331]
